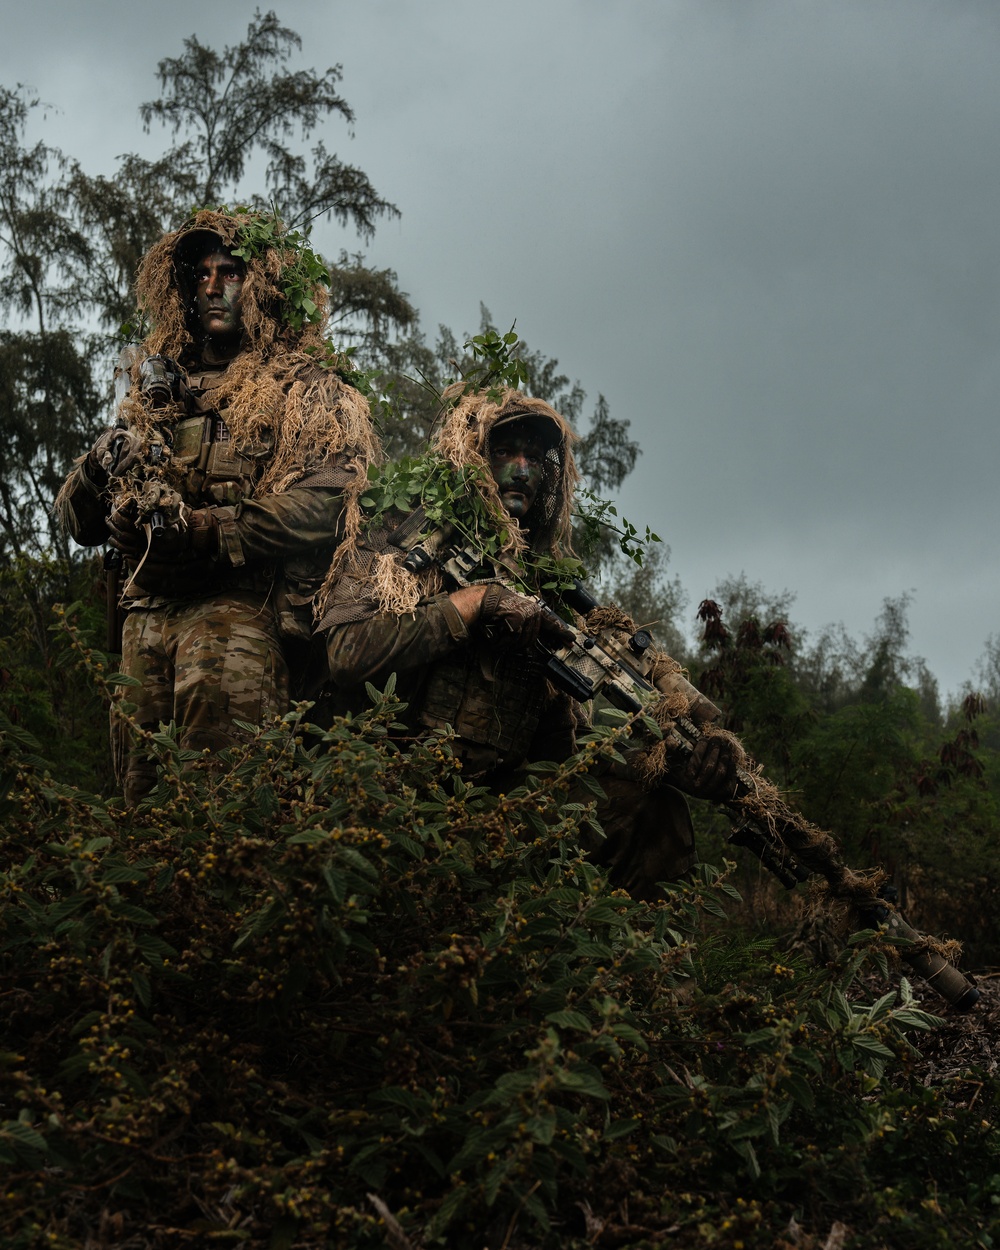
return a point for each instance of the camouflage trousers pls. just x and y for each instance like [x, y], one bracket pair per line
[202, 664]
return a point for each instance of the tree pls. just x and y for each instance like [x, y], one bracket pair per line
[366, 309]
[244, 99]
[988, 672]
[119, 218]
[48, 400]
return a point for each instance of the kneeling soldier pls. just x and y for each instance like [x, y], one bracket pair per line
[463, 648]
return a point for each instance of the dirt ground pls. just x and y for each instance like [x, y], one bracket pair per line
[966, 1040]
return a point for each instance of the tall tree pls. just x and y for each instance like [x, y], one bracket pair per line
[233, 103]
[47, 398]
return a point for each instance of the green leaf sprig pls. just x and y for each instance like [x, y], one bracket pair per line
[597, 515]
[497, 364]
[258, 232]
[450, 496]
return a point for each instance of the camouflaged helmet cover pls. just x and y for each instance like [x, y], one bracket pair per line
[274, 388]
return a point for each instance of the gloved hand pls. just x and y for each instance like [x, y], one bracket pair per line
[126, 533]
[511, 618]
[194, 537]
[710, 769]
[112, 455]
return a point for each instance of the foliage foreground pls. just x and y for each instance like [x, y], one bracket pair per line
[338, 997]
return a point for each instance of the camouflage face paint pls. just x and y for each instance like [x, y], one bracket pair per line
[516, 459]
[219, 294]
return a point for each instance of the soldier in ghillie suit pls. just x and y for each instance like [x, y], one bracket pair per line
[232, 472]
[464, 655]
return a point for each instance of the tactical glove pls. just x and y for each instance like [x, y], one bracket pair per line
[710, 770]
[513, 618]
[194, 537]
[126, 534]
[509, 618]
[114, 453]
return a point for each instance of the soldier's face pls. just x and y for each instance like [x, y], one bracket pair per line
[516, 460]
[218, 294]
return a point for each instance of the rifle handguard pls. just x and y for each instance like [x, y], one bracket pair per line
[776, 858]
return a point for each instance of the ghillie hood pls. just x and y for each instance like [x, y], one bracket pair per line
[275, 389]
[372, 579]
[164, 295]
[464, 441]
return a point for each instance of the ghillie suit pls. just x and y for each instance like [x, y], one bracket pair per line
[378, 618]
[375, 580]
[243, 471]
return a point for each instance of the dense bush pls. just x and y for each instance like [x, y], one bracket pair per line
[337, 996]
[43, 689]
[867, 756]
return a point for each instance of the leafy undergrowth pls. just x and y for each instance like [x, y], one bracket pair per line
[337, 997]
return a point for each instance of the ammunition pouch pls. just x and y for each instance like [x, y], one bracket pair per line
[215, 473]
[499, 711]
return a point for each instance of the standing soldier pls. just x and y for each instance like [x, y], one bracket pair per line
[233, 470]
[464, 654]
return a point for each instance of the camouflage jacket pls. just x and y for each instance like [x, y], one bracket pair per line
[278, 542]
[498, 701]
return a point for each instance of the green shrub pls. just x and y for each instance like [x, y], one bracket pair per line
[335, 989]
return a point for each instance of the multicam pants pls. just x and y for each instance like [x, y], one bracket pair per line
[203, 665]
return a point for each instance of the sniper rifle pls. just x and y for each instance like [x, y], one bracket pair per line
[617, 664]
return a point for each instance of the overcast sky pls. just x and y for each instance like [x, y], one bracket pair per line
[765, 230]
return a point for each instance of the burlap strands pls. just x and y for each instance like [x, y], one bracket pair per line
[274, 391]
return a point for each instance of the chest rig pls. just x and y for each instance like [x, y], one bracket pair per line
[493, 700]
[192, 461]
[209, 469]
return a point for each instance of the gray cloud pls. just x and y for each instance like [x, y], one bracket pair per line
[766, 231]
